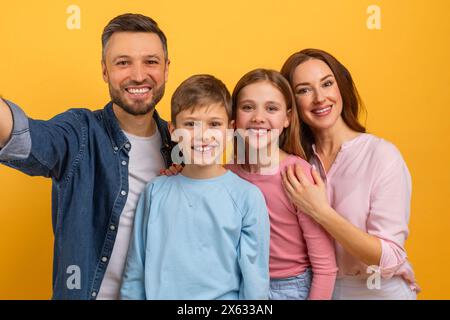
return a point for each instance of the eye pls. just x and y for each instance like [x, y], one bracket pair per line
[328, 83]
[189, 124]
[246, 107]
[301, 91]
[122, 62]
[216, 124]
[272, 108]
[151, 62]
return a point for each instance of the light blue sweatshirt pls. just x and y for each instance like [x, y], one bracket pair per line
[199, 239]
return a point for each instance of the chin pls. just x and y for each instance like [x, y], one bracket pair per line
[138, 110]
[323, 124]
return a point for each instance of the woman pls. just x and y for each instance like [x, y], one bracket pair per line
[362, 188]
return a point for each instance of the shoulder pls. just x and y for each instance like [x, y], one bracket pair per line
[158, 183]
[294, 160]
[242, 191]
[77, 115]
[386, 160]
[381, 150]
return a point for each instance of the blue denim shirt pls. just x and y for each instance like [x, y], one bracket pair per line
[86, 155]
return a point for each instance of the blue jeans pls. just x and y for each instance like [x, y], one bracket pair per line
[292, 288]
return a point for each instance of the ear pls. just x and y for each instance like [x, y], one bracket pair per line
[171, 127]
[287, 122]
[166, 72]
[232, 124]
[104, 71]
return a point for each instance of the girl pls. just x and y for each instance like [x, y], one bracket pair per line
[302, 259]
[363, 177]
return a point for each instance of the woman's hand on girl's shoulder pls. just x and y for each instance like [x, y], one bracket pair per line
[308, 196]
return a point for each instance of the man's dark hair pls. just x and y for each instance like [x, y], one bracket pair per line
[132, 22]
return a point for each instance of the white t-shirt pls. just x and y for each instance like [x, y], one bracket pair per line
[145, 162]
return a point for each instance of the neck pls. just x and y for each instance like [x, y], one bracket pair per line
[262, 165]
[141, 126]
[203, 172]
[329, 141]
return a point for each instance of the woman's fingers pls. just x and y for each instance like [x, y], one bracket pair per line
[301, 176]
[287, 185]
[292, 178]
[316, 176]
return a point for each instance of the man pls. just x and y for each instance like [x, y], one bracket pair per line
[99, 161]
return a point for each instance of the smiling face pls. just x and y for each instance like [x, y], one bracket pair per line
[136, 71]
[317, 95]
[262, 113]
[203, 131]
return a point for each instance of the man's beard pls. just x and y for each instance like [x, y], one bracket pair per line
[138, 108]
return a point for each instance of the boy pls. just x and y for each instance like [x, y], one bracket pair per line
[202, 234]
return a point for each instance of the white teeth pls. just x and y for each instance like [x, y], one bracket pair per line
[138, 90]
[257, 131]
[204, 149]
[322, 110]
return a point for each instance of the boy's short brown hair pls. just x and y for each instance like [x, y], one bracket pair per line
[199, 91]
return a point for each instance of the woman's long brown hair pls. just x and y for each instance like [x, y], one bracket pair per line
[352, 103]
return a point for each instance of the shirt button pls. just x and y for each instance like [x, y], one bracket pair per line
[112, 227]
[124, 193]
[94, 294]
[127, 146]
[124, 163]
[104, 259]
[115, 148]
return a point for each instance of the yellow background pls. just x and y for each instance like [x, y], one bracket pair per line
[402, 72]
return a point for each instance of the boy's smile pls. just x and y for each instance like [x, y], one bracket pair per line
[202, 130]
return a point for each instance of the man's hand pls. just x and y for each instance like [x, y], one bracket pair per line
[6, 123]
[173, 170]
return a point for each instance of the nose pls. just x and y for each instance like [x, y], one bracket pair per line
[138, 73]
[319, 96]
[258, 117]
[200, 133]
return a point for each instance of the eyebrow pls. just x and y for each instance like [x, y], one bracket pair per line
[307, 83]
[250, 100]
[196, 119]
[153, 56]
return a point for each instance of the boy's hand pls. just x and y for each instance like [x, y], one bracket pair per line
[173, 170]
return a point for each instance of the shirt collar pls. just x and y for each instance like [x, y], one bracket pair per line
[118, 138]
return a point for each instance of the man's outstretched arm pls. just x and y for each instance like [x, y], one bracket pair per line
[6, 123]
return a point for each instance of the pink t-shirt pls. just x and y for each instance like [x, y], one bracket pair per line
[370, 186]
[296, 241]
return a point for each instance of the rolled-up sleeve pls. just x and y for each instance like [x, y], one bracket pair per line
[389, 213]
[19, 145]
[44, 148]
